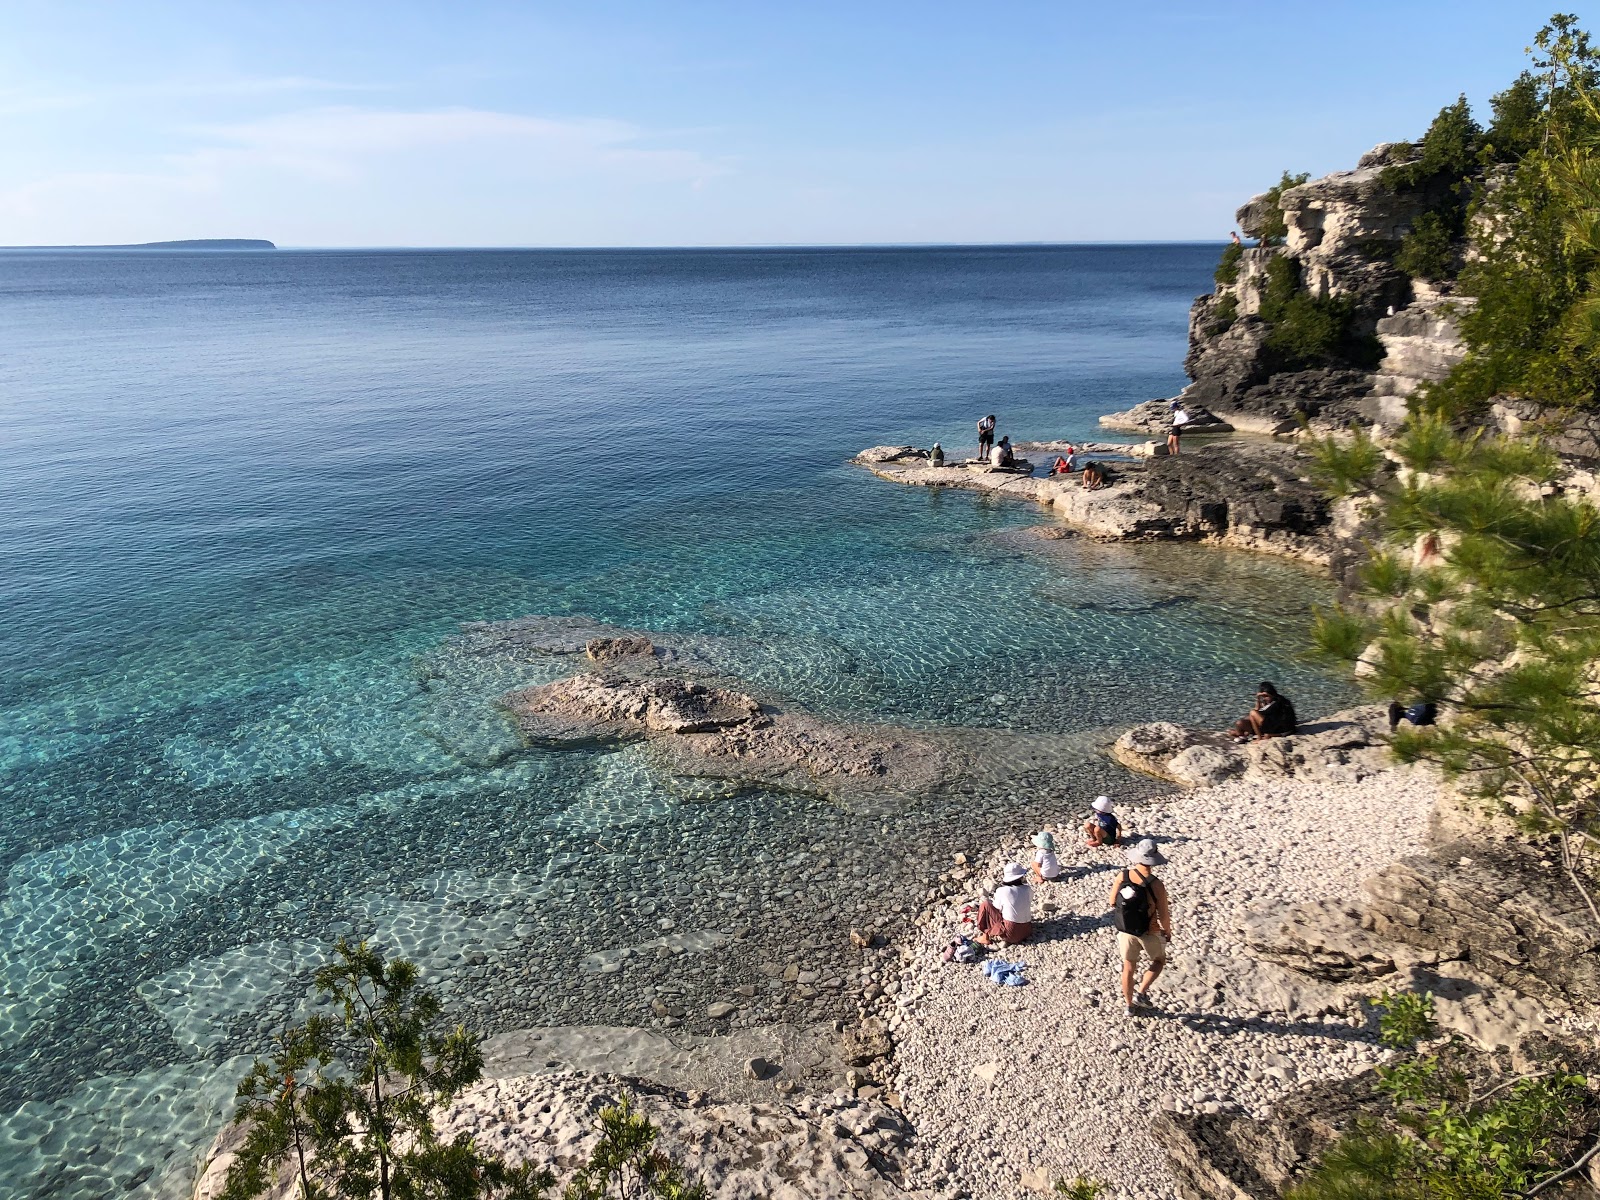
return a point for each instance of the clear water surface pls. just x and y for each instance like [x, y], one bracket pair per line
[246, 499]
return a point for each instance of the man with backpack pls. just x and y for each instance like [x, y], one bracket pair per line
[1143, 918]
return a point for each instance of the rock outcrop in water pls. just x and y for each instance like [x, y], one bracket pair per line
[704, 730]
[1248, 495]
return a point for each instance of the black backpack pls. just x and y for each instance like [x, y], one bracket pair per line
[1132, 913]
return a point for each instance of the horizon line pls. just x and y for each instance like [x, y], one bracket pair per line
[938, 245]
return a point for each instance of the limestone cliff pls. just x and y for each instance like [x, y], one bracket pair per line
[1341, 234]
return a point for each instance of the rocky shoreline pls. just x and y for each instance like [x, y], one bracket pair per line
[1242, 493]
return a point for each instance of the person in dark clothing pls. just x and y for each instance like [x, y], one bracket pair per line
[985, 436]
[1424, 712]
[1273, 716]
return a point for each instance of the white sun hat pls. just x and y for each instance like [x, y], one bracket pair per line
[1013, 872]
[1102, 804]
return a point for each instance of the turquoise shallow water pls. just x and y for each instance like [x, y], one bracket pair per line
[245, 500]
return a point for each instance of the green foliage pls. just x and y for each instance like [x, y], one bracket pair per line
[1227, 272]
[1515, 129]
[1447, 154]
[1535, 328]
[1499, 623]
[1405, 1019]
[1273, 227]
[344, 1108]
[1306, 330]
[347, 1104]
[1226, 312]
[1348, 465]
[1081, 1188]
[626, 1165]
[1427, 251]
[1443, 1140]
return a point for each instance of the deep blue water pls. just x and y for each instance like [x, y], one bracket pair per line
[244, 496]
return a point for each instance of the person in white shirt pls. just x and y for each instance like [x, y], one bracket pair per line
[1046, 866]
[1180, 418]
[1008, 917]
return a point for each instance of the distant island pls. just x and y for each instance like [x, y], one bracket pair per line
[187, 244]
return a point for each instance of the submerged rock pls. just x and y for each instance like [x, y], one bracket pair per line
[702, 729]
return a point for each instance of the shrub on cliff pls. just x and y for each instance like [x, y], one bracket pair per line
[1273, 227]
[344, 1108]
[1227, 272]
[1307, 330]
[1482, 596]
[1448, 1136]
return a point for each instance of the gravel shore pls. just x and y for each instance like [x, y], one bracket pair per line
[1012, 1088]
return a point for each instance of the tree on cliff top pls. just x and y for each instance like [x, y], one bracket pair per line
[1484, 597]
[1535, 328]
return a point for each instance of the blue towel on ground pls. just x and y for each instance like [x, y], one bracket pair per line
[1006, 974]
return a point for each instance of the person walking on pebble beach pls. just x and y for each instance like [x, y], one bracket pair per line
[1143, 917]
[1008, 917]
[985, 436]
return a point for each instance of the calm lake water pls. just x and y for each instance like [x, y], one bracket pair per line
[246, 499]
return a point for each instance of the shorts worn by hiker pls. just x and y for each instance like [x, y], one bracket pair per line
[1152, 944]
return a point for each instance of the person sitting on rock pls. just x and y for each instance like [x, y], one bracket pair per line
[1273, 716]
[1046, 866]
[936, 456]
[1003, 456]
[1008, 917]
[1102, 828]
[1094, 476]
[1060, 467]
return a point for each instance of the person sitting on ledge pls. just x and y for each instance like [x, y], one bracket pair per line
[1102, 828]
[1094, 476]
[1060, 467]
[1273, 716]
[1004, 457]
[936, 456]
[1008, 917]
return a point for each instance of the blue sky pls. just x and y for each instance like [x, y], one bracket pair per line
[607, 122]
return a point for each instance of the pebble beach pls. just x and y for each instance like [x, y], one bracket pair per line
[1010, 1089]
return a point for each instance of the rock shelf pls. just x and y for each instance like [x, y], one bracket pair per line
[1244, 493]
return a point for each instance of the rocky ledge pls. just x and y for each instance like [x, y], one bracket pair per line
[1247, 494]
[1347, 747]
[708, 731]
[1233, 1156]
[819, 1148]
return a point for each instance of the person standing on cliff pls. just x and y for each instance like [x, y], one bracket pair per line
[1236, 240]
[985, 436]
[1180, 418]
[1143, 916]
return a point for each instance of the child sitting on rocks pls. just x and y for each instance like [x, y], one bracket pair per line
[1046, 866]
[1102, 828]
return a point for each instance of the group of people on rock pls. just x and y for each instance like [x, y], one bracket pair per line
[1141, 910]
[1000, 454]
